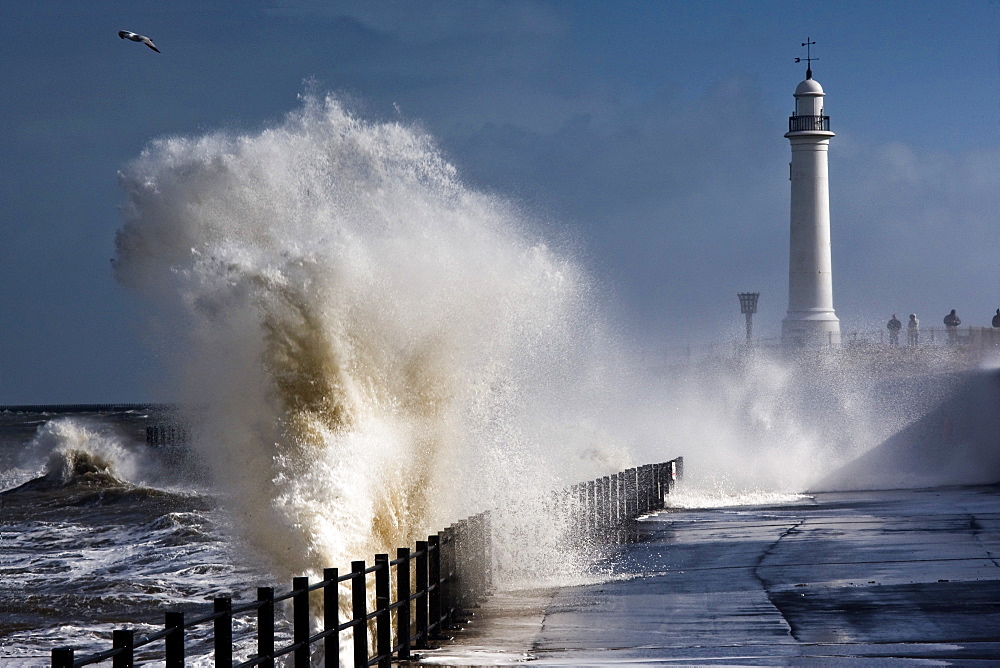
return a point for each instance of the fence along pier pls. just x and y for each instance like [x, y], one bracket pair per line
[435, 584]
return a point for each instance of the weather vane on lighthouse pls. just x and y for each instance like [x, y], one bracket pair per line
[808, 43]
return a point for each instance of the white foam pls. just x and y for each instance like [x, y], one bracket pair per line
[60, 442]
[380, 349]
[694, 499]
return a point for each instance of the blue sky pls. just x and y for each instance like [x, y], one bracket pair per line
[647, 133]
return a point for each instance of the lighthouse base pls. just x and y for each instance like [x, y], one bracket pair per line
[810, 329]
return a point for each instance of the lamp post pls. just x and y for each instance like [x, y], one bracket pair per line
[748, 305]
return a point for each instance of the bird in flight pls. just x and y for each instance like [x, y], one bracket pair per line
[135, 37]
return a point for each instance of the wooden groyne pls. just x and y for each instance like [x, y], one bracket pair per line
[61, 409]
[158, 422]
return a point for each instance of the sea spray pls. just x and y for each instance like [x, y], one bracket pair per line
[763, 423]
[69, 448]
[375, 349]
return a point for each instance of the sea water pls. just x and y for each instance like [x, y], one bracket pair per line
[100, 531]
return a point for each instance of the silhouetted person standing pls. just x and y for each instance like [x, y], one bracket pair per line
[894, 326]
[951, 323]
[913, 329]
[996, 319]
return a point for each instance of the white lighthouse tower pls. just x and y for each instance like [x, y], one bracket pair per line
[810, 319]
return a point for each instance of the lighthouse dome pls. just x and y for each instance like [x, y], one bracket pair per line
[809, 87]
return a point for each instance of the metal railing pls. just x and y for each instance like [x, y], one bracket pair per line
[962, 338]
[435, 584]
[808, 123]
[428, 595]
[605, 510]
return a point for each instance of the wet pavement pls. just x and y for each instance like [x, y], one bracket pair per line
[856, 578]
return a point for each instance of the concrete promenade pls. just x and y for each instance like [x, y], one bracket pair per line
[855, 578]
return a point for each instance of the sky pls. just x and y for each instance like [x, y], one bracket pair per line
[650, 134]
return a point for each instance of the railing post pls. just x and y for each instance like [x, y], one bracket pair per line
[359, 610]
[631, 503]
[300, 621]
[456, 581]
[383, 621]
[265, 625]
[331, 617]
[478, 563]
[484, 559]
[658, 485]
[488, 553]
[403, 594]
[422, 595]
[466, 564]
[476, 558]
[609, 529]
[619, 508]
[661, 488]
[654, 486]
[223, 627]
[173, 622]
[595, 516]
[62, 657]
[591, 510]
[447, 564]
[604, 509]
[611, 500]
[628, 482]
[434, 600]
[647, 488]
[650, 488]
[123, 639]
[451, 575]
[640, 490]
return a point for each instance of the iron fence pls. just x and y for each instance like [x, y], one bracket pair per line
[435, 584]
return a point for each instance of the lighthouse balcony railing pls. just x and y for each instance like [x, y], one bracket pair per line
[807, 123]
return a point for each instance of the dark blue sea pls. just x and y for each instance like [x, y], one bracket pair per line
[101, 530]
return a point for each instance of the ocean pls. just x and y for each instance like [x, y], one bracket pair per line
[100, 530]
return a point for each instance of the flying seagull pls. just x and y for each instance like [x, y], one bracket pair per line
[135, 37]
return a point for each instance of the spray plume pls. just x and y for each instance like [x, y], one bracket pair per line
[379, 349]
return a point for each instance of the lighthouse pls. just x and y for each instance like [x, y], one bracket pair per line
[810, 319]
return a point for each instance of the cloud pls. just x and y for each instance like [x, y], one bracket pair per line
[678, 200]
[917, 230]
[422, 23]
